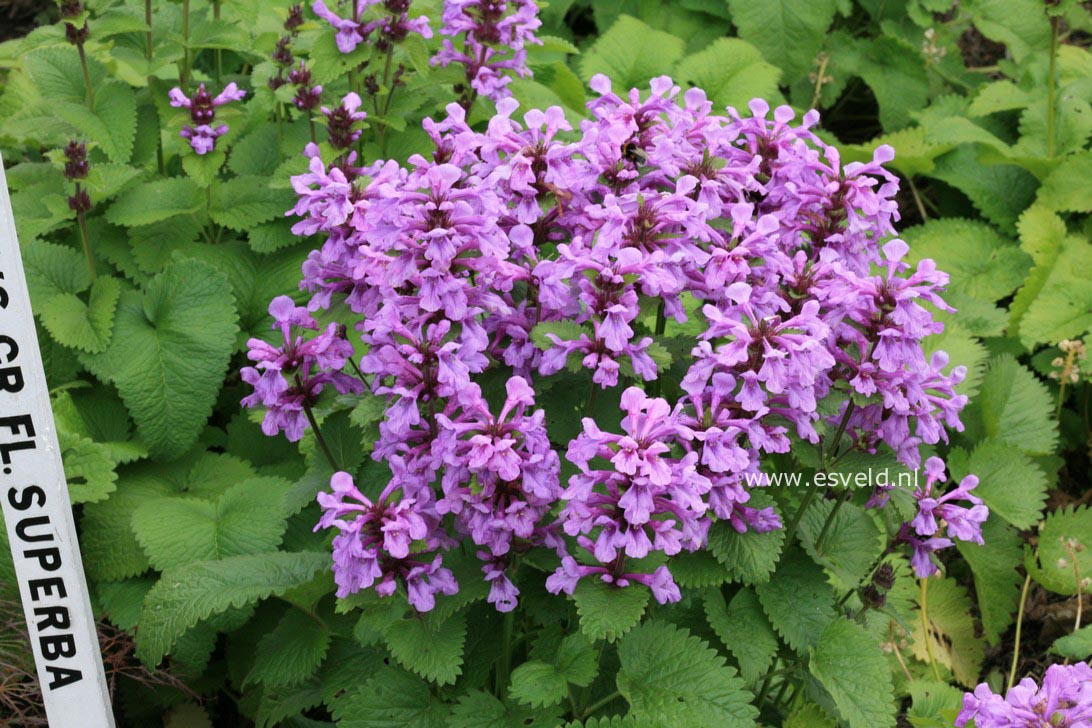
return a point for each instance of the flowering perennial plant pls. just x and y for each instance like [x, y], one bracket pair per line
[1063, 700]
[529, 252]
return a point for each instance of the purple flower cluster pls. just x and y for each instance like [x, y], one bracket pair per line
[508, 256]
[202, 135]
[390, 26]
[1064, 700]
[941, 512]
[289, 377]
[488, 37]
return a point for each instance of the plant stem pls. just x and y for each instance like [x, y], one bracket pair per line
[925, 628]
[766, 681]
[149, 53]
[1019, 628]
[314, 426]
[830, 519]
[184, 67]
[593, 396]
[504, 669]
[219, 52]
[311, 122]
[382, 131]
[791, 530]
[86, 76]
[1050, 85]
[600, 703]
[85, 238]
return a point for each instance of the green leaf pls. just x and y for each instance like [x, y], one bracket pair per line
[58, 75]
[744, 629]
[998, 191]
[789, 33]
[1019, 24]
[187, 594]
[110, 550]
[52, 270]
[243, 202]
[1066, 189]
[1009, 482]
[1016, 408]
[479, 709]
[631, 53]
[431, 647]
[606, 611]
[670, 677]
[540, 683]
[951, 631]
[935, 704]
[1063, 307]
[271, 236]
[980, 261]
[848, 662]
[698, 569]
[247, 519]
[1076, 646]
[564, 330]
[731, 72]
[202, 168]
[1065, 536]
[84, 326]
[798, 601]
[896, 74]
[291, 653]
[749, 557]
[1042, 234]
[998, 96]
[391, 698]
[155, 201]
[88, 469]
[169, 353]
[996, 580]
[257, 153]
[851, 545]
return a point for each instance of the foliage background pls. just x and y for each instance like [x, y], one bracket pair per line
[196, 530]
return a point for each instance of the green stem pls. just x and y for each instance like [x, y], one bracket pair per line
[600, 703]
[766, 682]
[830, 520]
[925, 628]
[314, 426]
[184, 68]
[85, 238]
[1050, 85]
[593, 396]
[382, 131]
[504, 669]
[86, 77]
[791, 530]
[1019, 628]
[219, 56]
[149, 53]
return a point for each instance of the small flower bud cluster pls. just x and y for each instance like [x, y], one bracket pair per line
[391, 25]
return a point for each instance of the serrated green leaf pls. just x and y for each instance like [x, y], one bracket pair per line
[998, 191]
[951, 630]
[202, 168]
[88, 468]
[935, 704]
[542, 682]
[998, 96]
[749, 557]
[169, 353]
[247, 519]
[478, 709]
[798, 600]
[84, 326]
[698, 569]
[52, 270]
[1066, 527]
[606, 611]
[187, 594]
[1063, 307]
[686, 684]
[744, 629]
[1016, 408]
[630, 53]
[292, 652]
[564, 330]
[431, 647]
[852, 544]
[392, 698]
[731, 72]
[1066, 189]
[788, 32]
[1009, 482]
[996, 580]
[848, 662]
[979, 260]
[156, 201]
[1075, 646]
[270, 237]
[242, 202]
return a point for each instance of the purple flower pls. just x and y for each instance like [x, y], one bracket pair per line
[288, 378]
[384, 541]
[202, 136]
[1064, 700]
[959, 521]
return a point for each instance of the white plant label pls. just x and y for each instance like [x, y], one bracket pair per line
[37, 513]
